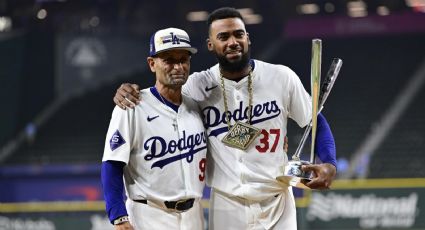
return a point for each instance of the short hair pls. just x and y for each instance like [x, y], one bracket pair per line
[223, 13]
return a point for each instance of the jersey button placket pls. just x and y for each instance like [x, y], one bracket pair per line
[242, 167]
[237, 94]
[175, 122]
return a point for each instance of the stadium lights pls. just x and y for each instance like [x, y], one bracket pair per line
[197, 16]
[310, 8]
[356, 9]
[247, 14]
[416, 5]
[253, 19]
[5, 23]
[382, 10]
[42, 14]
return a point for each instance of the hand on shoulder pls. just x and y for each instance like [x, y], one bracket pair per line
[127, 96]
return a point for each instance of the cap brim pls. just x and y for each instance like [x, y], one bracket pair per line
[192, 50]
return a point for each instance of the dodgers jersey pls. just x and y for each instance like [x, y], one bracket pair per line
[164, 151]
[278, 94]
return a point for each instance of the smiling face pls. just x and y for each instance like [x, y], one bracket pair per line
[171, 67]
[229, 41]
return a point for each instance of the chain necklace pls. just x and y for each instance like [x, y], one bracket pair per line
[241, 134]
[162, 99]
[226, 107]
[175, 125]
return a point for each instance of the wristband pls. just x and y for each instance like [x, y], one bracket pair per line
[121, 220]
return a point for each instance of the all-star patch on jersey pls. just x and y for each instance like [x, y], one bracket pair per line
[116, 140]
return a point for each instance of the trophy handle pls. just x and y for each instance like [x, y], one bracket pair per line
[326, 88]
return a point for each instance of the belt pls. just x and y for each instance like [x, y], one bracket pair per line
[180, 205]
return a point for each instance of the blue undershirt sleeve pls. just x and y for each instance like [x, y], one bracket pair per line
[113, 188]
[325, 143]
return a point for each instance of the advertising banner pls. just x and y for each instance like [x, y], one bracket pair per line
[368, 204]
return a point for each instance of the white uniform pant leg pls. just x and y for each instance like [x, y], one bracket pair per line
[225, 213]
[193, 219]
[232, 213]
[151, 217]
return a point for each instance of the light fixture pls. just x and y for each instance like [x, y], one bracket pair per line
[382, 10]
[196, 16]
[5, 23]
[310, 8]
[356, 9]
[247, 13]
[42, 14]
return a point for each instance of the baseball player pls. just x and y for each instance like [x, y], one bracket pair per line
[159, 147]
[243, 95]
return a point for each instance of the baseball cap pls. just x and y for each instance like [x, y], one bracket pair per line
[170, 38]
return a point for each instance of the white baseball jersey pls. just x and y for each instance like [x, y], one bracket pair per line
[164, 150]
[278, 94]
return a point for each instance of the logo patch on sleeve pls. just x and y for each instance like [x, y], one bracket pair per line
[116, 140]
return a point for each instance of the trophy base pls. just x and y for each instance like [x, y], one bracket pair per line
[294, 176]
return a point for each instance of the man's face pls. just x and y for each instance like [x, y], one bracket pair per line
[171, 67]
[229, 41]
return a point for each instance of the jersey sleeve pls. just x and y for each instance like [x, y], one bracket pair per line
[113, 189]
[325, 147]
[118, 143]
[300, 103]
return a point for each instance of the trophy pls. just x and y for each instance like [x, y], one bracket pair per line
[292, 173]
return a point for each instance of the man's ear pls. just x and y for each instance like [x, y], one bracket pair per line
[249, 40]
[210, 46]
[151, 63]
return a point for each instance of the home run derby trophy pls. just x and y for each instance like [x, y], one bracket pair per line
[292, 172]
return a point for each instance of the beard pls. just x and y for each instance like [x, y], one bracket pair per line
[235, 66]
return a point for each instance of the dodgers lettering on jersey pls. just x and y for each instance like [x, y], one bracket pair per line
[164, 150]
[278, 94]
[158, 148]
[213, 117]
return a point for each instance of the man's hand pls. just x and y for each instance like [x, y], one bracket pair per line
[127, 96]
[124, 226]
[323, 175]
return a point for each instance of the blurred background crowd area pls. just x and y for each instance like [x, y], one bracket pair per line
[61, 62]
